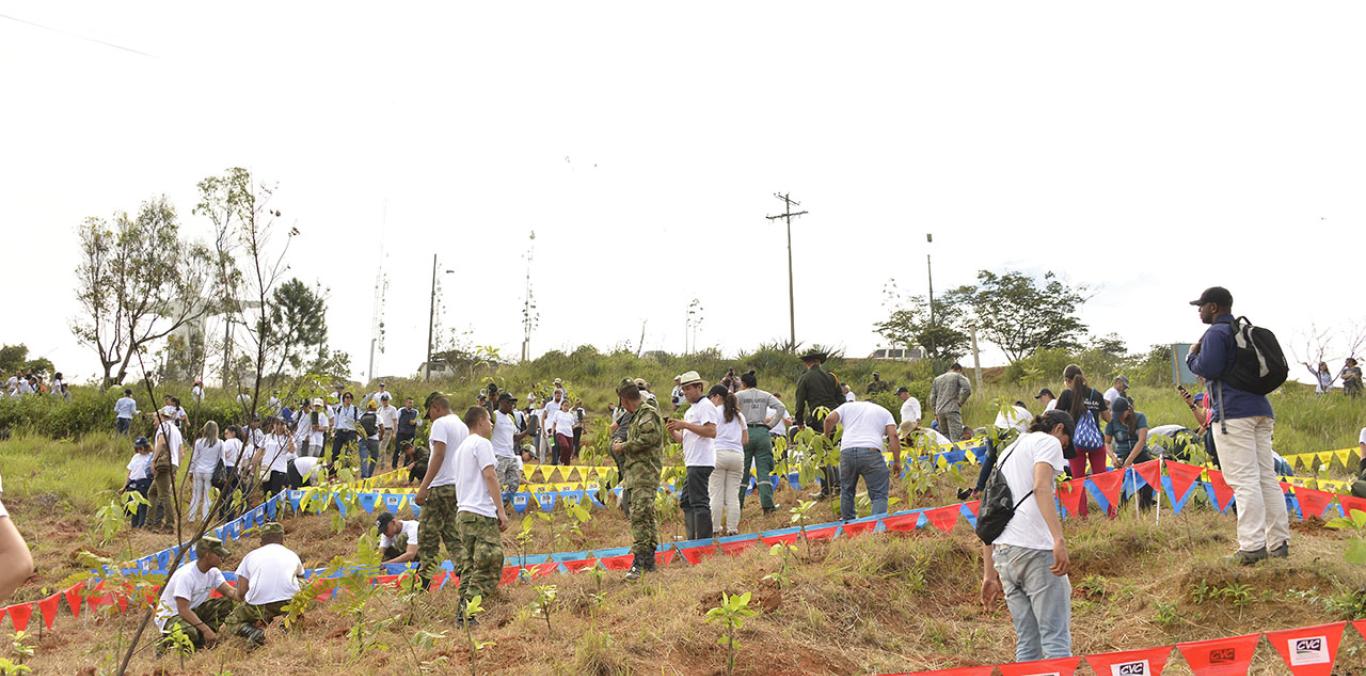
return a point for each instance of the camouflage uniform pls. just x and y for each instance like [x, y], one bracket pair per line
[480, 562]
[255, 615]
[623, 426]
[211, 612]
[437, 524]
[642, 459]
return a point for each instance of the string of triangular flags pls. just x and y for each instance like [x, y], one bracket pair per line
[1306, 651]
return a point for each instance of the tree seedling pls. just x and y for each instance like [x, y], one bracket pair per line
[731, 615]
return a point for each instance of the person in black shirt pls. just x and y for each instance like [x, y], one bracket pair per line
[406, 429]
[1087, 407]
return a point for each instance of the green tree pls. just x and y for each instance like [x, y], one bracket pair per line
[1021, 315]
[295, 327]
[909, 325]
[138, 281]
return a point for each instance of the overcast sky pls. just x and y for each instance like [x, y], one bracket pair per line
[1148, 150]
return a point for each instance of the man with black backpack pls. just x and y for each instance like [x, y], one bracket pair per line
[1243, 364]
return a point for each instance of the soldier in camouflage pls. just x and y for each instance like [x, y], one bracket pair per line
[436, 495]
[642, 459]
[620, 426]
[481, 517]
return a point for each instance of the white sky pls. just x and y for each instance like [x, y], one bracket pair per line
[1150, 150]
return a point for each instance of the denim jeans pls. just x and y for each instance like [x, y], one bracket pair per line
[369, 456]
[869, 464]
[1040, 602]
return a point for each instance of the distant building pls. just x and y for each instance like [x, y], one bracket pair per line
[898, 354]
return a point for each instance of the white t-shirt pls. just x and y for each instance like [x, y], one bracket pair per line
[564, 422]
[1362, 439]
[140, 467]
[779, 427]
[1110, 396]
[409, 528]
[473, 455]
[207, 453]
[865, 425]
[316, 437]
[274, 573]
[388, 418]
[700, 451]
[232, 450]
[729, 435]
[189, 583]
[277, 453]
[451, 430]
[1027, 528]
[307, 466]
[1018, 417]
[173, 440]
[504, 430]
[1052, 404]
[910, 410]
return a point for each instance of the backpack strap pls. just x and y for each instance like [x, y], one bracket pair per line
[1002, 463]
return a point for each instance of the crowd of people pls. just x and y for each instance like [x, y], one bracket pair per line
[30, 383]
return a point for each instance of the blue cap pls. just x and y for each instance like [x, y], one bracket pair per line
[141, 442]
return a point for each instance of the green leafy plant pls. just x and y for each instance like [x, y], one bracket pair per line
[547, 595]
[524, 538]
[468, 613]
[8, 668]
[800, 514]
[178, 642]
[1166, 614]
[731, 615]
[20, 647]
[782, 550]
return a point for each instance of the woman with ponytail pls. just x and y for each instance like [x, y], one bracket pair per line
[1087, 407]
[724, 485]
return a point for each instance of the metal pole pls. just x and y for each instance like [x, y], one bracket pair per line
[431, 321]
[370, 372]
[929, 270]
[791, 294]
[976, 360]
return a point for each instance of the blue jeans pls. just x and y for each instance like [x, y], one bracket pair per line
[369, 455]
[1040, 602]
[867, 463]
[122, 424]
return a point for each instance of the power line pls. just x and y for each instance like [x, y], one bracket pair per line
[76, 35]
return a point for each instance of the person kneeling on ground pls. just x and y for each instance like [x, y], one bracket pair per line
[1127, 435]
[414, 460]
[267, 579]
[481, 516]
[185, 600]
[397, 539]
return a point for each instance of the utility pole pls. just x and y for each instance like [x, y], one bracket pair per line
[529, 316]
[787, 216]
[976, 359]
[929, 268]
[431, 322]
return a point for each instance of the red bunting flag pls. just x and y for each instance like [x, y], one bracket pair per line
[19, 614]
[1352, 504]
[1073, 495]
[1061, 666]
[1146, 662]
[664, 558]
[48, 607]
[901, 523]
[738, 547]
[975, 507]
[1220, 657]
[1361, 627]
[944, 518]
[1309, 651]
[1151, 472]
[618, 563]
[858, 528]
[789, 538]
[1109, 484]
[1183, 477]
[580, 565]
[73, 599]
[1312, 503]
[1222, 492]
[695, 555]
[509, 576]
[824, 533]
[958, 671]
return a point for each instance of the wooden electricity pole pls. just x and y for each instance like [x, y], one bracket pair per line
[787, 216]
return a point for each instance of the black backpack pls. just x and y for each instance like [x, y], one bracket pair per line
[998, 505]
[369, 422]
[1259, 365]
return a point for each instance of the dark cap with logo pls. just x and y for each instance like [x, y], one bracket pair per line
[1217, 295]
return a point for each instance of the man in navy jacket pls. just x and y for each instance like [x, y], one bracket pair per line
[1242, 428]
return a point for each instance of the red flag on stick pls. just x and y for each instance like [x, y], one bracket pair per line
[1151, 473]
[1183, 477]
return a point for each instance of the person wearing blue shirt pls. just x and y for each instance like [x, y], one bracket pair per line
[1242, 424]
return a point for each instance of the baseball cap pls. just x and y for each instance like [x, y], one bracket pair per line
[1044, 391]
[427, 403]
[1122, 379]
[557, 381]
[689, 378]
[211, 545]
[1056, 417]
[372, 405]
[141, 442]
[384, 396]
[1217, 295]
[318, 401]
[902, 389]
[383, 521]
[1119, 406]
[272, 527]
[506, 396]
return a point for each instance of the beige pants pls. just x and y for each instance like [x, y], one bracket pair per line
[1245, 456]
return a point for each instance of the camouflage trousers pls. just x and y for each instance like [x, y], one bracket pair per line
[481, 555]
[258, 615]
[437, 525]
[509, 475]
[644, 537]
[212, 613]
